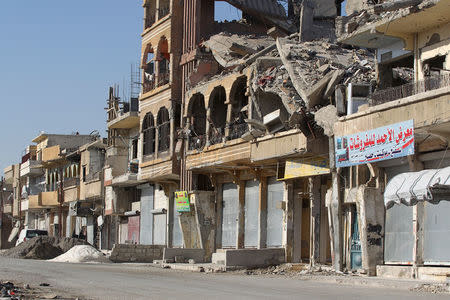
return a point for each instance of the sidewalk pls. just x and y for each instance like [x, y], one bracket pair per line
[323, 274]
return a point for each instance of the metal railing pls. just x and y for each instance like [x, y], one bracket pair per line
[148, 86]
[216, 136]
[163, 78]
[149, 21]
[163, 11]
[197, 142]
[237, 130]
[409, 89]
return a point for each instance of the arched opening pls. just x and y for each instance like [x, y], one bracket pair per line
[148, 64]
[197, 120]
[148, 131]
[163, 123]
[218, 115]
[239, 108]
[163, 62]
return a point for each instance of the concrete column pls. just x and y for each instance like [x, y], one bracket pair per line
[289, 220]
[219, 213]
[241, 215]
[156, 135]
[336, 221]
[208, 125]
[306, 21]
[418, 218]
[262, 232]
[314, 195]
[229, 113]
[172, 128]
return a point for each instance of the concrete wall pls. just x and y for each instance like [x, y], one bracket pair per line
[136, 253]
[198, 255]
[249, 257]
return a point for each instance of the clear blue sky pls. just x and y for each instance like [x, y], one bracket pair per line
[57, 60]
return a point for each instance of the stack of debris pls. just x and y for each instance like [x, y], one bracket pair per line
[43, 247]
[363, 15]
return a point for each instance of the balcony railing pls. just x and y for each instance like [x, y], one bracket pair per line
[410, 89]
[69, 182]
[197, 142]
[237, 130]
[149, 21]
[148, 86]
[216, 136]
[163, 78]
[163, 11]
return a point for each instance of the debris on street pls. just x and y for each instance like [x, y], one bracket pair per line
[81, 254]
[43, 247]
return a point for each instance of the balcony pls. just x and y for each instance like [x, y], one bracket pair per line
[71, 194]
[163, 78]
[92, 187]
[49, 199]
[223, 154]
[163, 11]
[125, 121]
[410, 89]
[292, 143]
[149, 21]
[7, 208]
[166, 168]
[31, 168]
[34, 202]
[237, 130]
[24, 205]
[51, 153]
[9, 174]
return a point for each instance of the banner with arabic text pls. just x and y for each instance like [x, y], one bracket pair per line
[182, 201]
[379, 144]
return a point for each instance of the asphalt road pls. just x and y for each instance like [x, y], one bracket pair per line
[126, 281]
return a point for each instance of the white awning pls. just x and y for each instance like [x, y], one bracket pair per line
[427, 185]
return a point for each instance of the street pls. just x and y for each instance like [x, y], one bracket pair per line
[127, 281]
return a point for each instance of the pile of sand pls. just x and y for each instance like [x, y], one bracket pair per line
[43, 247]
[80, 254]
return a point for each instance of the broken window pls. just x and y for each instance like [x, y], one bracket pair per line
[149, 13]
[197, 121]
[148, 64]
[163, 62]
[163, 129]
[148, 131]
[239, 108]
[202, 182]
[164, 8]
[218, 115]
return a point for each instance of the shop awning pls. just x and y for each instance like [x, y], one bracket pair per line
[411, 187]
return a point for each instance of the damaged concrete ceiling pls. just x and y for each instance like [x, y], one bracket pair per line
[268, 11]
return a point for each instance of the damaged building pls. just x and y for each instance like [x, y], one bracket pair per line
[391, 189]
[297, 134]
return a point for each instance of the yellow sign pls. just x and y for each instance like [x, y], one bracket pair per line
[306, 167]
[182, 201]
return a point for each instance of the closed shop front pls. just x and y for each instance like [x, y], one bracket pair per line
[146, 228]
[230, 215]
[275, 193]
[133, 229]
[251, 213]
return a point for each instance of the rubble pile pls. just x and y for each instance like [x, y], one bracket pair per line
[292, 270]
[232, 49]
[81, 254]
[43, 247]
[16, 291]
[316, 67]
[389, 10]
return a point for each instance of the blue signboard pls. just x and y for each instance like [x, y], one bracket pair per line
[379, 144]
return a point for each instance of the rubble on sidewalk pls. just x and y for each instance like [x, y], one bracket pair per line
[43, 247]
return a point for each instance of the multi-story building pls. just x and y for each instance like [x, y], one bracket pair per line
[47, 202]
[6, 219]
[160, 105]
[122, 197]
[392, 158]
